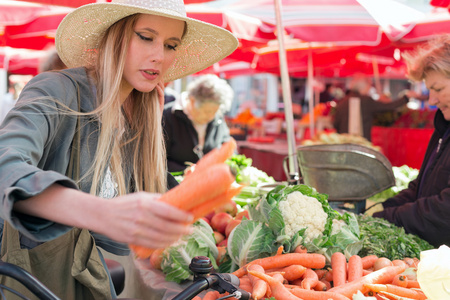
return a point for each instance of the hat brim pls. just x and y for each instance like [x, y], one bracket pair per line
[80, 32]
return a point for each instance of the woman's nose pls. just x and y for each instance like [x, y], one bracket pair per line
[433, 99]
[158, 53]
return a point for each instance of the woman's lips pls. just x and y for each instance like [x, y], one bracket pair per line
[150, 74]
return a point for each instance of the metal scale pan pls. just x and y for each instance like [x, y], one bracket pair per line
[346, 172]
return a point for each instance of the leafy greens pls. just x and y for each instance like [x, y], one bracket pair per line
[265, 232]
[176, 258]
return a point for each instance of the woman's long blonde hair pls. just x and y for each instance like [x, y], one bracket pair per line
[144, 131]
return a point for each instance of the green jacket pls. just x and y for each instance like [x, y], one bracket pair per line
[35, 146]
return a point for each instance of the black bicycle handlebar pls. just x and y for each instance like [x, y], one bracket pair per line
[221, 282]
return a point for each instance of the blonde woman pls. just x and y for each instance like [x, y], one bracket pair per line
[119, 55]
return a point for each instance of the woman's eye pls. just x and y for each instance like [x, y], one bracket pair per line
[144, 38]
[172, 47]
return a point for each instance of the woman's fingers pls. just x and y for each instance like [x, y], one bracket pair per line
[160, 89]
[143, 220]
[169, 212]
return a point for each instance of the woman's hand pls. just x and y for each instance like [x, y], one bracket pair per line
[140, 219]
[160, 89]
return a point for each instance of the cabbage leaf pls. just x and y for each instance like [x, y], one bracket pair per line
[250, 240]
[177, 258]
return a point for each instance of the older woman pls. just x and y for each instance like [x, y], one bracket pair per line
[195, 125]
[424, 207]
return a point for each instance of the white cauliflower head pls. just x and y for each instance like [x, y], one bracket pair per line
[300, 211]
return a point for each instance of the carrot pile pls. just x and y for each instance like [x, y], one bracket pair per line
[206, 188]
[300, 275]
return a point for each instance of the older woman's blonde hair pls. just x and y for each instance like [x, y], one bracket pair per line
[144, 130]
[432, 56]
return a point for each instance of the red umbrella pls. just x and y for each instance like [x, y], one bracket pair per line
[29, 25]
[435, 22]
[78, 3]
[21, 61]
[340, 21]
[440, 3]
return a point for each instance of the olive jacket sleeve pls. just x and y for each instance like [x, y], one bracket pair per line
[35, 146]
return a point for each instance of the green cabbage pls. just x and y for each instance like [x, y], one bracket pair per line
[176, 258]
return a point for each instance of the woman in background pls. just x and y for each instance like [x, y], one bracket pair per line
[196, 125]
[423, 208]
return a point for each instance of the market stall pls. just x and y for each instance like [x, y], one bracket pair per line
[259, 231]
[267, 154]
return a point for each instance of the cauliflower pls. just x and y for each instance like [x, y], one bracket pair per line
[337, 226]
[300, 211]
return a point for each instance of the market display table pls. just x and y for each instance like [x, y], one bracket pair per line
[402, 146]
[267, 157]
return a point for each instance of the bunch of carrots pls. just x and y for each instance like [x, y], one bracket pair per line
[203, 190]
[302, 275]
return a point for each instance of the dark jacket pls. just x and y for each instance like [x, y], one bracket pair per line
[426, 211]
[181, 137]
[369, 108]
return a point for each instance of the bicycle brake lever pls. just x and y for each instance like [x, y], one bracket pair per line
[226, 283]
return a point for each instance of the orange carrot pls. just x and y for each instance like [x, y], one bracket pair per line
[316, 295]
[277, 276]
[382, 276]
[197, 298]
[211, 295]
[297, 282]
[308, 260]
[320, 286]
[310, 279]
[368, 261]
[339, 266]
[396, 290]
[245, 280]
[280, 250]
[413, 284]
[280, 278]
[293, 272]
[400, 280]
[327, 283]
[204, 186]
[329, 275]
[215, 156]
[389, 296]
[367, 271]
[355, 268]
[246, 287]
[209, 206]
[277, 289]
[141, 252]
[321, 273]
[156, 258]
[259, 286]
[300, 249]
[398, 262]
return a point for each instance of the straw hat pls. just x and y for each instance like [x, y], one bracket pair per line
[80, 32]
